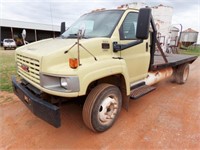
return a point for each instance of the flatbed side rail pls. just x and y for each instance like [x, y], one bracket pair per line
[174, 60]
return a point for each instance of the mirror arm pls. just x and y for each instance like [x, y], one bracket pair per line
[119, 47]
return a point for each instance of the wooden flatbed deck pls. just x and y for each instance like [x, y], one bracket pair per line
[173, 60]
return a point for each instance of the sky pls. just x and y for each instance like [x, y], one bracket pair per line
[185, 12]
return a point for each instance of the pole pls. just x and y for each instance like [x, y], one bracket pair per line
[78, 45]
[180, 35]
[35, 35]
[12, 33]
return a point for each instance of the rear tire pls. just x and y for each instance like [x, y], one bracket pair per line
[182, 73]
[102, 107]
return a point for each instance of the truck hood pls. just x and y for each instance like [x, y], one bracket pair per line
[46, 47]
[50, 52]
[43, 48]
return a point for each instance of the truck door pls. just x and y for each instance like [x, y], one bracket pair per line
[137, 58]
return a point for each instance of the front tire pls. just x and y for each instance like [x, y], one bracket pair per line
[102, 107]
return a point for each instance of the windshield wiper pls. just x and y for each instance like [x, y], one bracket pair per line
[70, 36]
[73, 35]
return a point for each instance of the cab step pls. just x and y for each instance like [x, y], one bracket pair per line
[140, 91]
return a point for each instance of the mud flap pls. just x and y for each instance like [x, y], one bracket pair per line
[42, 109]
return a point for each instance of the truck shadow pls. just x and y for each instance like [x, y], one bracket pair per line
[71, 114]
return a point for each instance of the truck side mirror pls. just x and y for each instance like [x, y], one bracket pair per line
[144, 18]
[62, 27]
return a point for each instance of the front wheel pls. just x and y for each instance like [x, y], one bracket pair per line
[102, 107]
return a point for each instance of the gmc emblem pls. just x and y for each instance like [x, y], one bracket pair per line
[25, 68]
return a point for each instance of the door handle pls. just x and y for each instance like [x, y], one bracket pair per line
[147, 46]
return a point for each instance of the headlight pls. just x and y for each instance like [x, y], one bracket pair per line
[60, 83]
[64, 82]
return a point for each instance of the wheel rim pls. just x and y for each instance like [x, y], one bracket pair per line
[185, 74]
[108, 110]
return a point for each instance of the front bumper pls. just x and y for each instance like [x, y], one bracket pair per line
[9, 46]
[42, 109]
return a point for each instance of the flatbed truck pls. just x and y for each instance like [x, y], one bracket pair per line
[108, 56]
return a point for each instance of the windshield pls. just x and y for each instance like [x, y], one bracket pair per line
[96, 24]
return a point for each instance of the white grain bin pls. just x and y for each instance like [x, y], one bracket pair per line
[136, 5]
[163, 18]
[189, 37]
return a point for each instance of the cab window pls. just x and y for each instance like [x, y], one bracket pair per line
[128, 28]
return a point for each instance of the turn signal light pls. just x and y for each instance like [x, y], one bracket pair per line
[73, 63]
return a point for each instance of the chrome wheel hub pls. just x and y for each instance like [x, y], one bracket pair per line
[107, 110]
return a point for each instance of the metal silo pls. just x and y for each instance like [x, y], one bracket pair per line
[163, 18]
[189, 37]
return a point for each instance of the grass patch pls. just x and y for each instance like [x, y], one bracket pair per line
[7, 69]
[191, 50]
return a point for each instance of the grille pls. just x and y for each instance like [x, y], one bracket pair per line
[28, 68]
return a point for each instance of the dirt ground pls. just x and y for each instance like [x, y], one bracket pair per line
[167, 118]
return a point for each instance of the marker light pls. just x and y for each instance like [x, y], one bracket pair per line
[73, 63]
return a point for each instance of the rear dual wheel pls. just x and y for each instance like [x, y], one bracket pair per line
[181, 74]
[102, 107]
